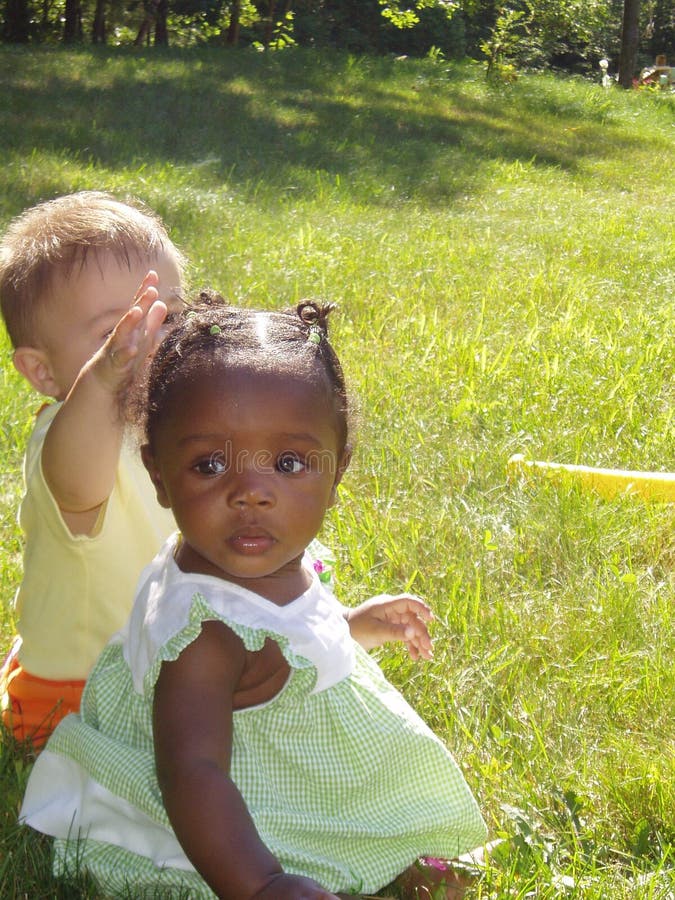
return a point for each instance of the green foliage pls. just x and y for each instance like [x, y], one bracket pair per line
[404, 15]
[528, 34]
[281, 35]
[570, 35]
[399, 17]
[571, 32]
[503, 283]
[510, 32]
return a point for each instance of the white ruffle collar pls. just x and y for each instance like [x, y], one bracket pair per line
[313, 624]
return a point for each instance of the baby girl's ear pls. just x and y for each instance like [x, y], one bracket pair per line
[149, 463]
[342, 466]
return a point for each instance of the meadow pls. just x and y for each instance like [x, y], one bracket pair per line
[503, 259]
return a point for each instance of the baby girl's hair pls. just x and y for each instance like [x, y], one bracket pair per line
[209, 332]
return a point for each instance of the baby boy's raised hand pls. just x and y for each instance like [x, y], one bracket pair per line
[133, 338]
[386, 618]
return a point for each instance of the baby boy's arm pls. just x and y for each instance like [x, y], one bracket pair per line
[192, 727]
[388, 618]
[82, 447]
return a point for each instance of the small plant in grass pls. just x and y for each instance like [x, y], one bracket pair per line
[501, 48]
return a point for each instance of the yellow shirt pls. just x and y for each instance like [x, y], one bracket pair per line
[77, 590]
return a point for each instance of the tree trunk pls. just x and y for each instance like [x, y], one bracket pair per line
[232, 38]
[98, 35]
[146, 24]
[161, 29]
[630, 40]
[268, 30]
[16, 27]
[45, 13]
[72, 22]
[143, 31]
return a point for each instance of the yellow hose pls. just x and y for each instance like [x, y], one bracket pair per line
[606, 482]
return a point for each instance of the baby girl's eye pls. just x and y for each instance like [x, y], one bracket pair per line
[290, 463]
[215, 464]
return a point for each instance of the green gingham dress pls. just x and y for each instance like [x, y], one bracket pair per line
[344, 781]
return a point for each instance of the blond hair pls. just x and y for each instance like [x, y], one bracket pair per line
[49, 240]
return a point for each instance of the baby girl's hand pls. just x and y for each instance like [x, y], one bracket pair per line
[393, 618]
[133, 338]
[293, 887]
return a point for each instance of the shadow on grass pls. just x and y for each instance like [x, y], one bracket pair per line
[273, 123]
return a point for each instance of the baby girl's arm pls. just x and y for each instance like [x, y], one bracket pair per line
[82, 447]
[392, 618]
[192, 726]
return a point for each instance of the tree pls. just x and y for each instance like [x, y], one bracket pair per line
[72, 22]
[630, 40]
[232, 38]
[98, 29]
[16, 24]
[161, 26]
[156, 12]
[660, 27]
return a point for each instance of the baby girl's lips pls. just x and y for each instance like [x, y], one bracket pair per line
[251, 541]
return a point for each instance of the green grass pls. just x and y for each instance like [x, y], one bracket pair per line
[504, 263]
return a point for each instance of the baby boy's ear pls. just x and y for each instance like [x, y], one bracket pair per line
[149, 463]
[33, 364]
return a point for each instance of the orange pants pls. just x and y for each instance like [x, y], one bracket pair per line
[32, 707]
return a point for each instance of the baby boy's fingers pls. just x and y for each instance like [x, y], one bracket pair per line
[153, 323]
[127, 332]
[145, 301]
[151, 280]
[136, 331]
[148, 328]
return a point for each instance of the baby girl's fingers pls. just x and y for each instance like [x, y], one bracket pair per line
[400, 607]
[416, 634]
[413, 633]
[406, 603]
[418, 643]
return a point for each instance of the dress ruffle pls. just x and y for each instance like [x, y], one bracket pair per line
[346, 785]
